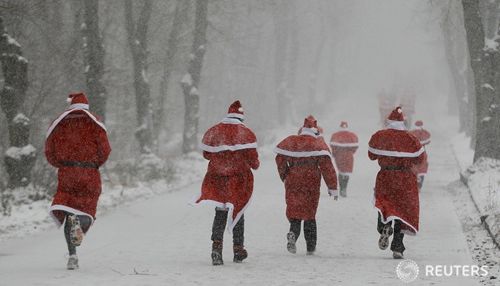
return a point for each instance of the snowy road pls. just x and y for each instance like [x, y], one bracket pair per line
[163, 241]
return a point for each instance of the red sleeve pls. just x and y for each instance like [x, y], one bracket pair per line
[253, 158]
[207, 155]
[328, 172]
[282, 165]
[335, 149]
[372, 156]
[103, 148]
[418, 160]
[50, 152]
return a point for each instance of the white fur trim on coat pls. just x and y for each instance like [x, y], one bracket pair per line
[62, 116]
[215, 149]
[302, 154]
[396, 153]
[338, 144]
[69, 210]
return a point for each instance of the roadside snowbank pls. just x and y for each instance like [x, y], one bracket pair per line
[483, 181]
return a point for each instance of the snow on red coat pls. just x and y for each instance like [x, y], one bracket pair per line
[230, 147]
[344, 144]
[302, 160]
[396, 190]
[77, 145]
[424, 137]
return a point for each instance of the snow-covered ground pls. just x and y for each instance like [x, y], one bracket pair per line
[164, 241]
[483, 183]
[29, 218]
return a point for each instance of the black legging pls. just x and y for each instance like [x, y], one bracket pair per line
[310, 232]
[85, 223]
[397, 240]
[343, 180]
[219, 225]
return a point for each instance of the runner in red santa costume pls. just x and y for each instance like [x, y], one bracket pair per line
[424, 137]
[396, 190]
[77, 145]
[344, 144]
[231, 148]
[302, 160]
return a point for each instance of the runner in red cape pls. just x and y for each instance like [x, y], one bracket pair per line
[230, 147]
[344, 144]
[424, 137]
[302, 160]
[77, 145]
[396, 190]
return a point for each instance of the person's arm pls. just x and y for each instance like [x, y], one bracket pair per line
[373, 156]
[103, 147]
[329, 174]
[50, 152]
[282, 165]
[207, 155]
[253, 158]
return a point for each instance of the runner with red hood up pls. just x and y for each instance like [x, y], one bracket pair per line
[396, 190]
[302, 160]
[344, 144]
[77, 145]
[231, 148]
[424, 137]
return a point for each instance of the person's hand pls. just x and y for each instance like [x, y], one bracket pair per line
[334, 193]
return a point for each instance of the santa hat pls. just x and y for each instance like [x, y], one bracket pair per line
[236, 110]
[419, 123]
[310, 122]
[310, 127]
[78, 100]
[343, 124]
[396, 115]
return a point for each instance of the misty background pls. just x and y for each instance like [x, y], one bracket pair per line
[161, 72]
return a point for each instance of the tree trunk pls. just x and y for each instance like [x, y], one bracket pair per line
[181, 8]
[457, 65]
[93, 57]
[316, 64]
[20, 157]
[485, 64]
[280, 56]
[190, 82]
[293, 59]
[137, 40]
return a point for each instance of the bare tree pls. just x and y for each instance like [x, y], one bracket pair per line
[281, 11]
[458, 60]
[191, 80]
[21, 155]
[317, 60]
[484, 62]
[137, 39]
[93, 57]
[181, 8]
[293, 58]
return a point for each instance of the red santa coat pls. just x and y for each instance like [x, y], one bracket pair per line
[230, 147]
[396, 190]
[425, 138]
[76, 144]
[344, 144]
[301, 161]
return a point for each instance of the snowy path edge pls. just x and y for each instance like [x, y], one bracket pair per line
[486, 220]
